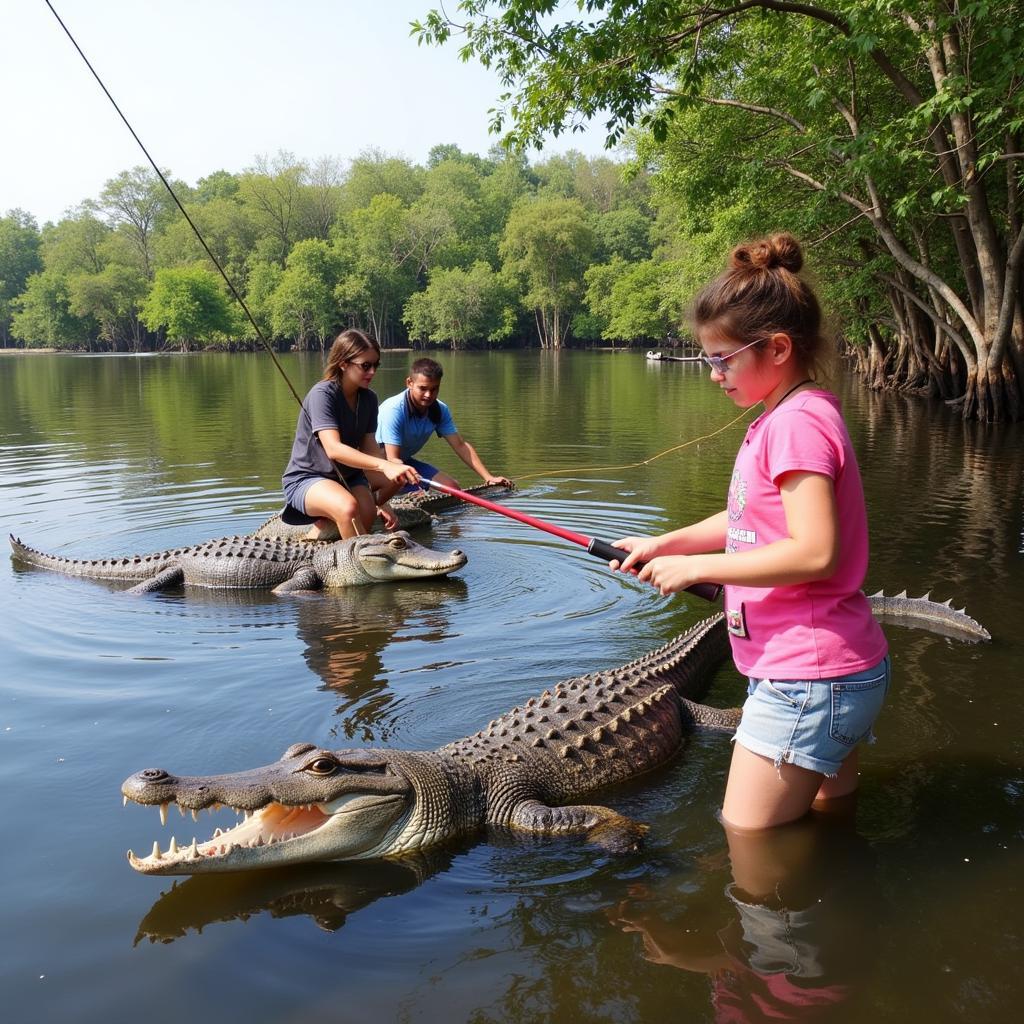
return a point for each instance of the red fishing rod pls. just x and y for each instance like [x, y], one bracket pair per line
[599, 548]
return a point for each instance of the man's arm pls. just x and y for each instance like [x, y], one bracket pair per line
[467, 453]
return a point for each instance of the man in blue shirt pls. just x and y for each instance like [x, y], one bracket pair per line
[406, 421]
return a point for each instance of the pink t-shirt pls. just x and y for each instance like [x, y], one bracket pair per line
[815, 630]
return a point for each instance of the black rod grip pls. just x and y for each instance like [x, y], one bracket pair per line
[608, 552]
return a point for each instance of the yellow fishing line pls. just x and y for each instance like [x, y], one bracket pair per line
[646, 462]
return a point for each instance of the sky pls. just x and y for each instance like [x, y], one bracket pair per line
[211, 84]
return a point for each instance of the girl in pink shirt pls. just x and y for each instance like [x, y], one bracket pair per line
[791, 547]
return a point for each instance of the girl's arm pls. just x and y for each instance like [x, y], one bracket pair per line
[810, 552]
[707, 535]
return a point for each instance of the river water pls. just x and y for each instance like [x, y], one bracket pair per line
[908, 910]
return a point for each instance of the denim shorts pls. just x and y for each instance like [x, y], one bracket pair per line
[296, 493]
[813, 723]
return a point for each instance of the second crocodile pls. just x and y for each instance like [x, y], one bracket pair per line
[256, 563]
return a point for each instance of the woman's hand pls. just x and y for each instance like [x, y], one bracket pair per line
[671, 573]
[399, 473]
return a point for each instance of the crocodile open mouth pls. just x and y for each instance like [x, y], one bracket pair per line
[259, 837]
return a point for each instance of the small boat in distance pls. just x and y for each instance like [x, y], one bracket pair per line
[659, 357]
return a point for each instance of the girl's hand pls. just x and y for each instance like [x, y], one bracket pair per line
[635, 549]
[671, 573]
[398, 472]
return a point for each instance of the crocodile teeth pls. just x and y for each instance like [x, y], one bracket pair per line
[125, 799]
[156, 851]
[163, 814]
[195, 815]
[173, 848]
[193, 850]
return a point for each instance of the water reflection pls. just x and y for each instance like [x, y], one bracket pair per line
[327, 893]
[797, 938]
[345, 634]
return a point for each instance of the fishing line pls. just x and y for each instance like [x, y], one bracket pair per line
[637, 465]
[177, 202]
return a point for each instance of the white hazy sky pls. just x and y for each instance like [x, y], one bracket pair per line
[209, 84]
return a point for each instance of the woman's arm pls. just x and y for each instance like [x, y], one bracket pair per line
[810, 552]
[367, 457]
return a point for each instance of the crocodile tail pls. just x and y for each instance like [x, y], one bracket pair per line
[135, 567]
[934, 616]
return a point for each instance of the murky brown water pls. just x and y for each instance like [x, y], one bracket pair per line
[911, 911]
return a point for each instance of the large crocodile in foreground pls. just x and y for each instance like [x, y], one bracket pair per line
[526, 770]
[254, 563]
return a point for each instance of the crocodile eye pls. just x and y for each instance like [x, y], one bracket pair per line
[322, 765]
[398, 543]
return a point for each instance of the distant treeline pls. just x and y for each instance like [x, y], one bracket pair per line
[465, 251]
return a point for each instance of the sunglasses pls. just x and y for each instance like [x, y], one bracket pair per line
[720, 364]
[365, 367]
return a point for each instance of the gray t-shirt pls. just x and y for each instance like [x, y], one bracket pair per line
[325, 408]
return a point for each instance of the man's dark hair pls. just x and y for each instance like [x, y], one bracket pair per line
[427, 367]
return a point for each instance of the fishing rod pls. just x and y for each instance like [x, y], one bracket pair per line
[202, 241]
[598, 548]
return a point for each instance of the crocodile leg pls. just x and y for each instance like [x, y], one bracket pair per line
[170, 577]
[601, 825]
[305, 579]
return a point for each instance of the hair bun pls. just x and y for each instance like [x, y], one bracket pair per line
[781, 250]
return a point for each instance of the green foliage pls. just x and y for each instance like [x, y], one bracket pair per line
[398, 249]
[303, 306]
[459, 307]
[189, 304]
[887, 134]
[111, 298]
[547, 246]
[19, 258]
[42, 315]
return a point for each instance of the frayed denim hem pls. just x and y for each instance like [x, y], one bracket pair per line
[830, 769]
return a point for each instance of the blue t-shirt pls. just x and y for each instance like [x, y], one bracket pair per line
[398, 423]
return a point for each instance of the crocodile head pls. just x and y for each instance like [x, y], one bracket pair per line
[311, 805]
[380, 557]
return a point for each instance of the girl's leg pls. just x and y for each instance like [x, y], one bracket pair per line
[843, 784]
[760, 795]
[330, 499]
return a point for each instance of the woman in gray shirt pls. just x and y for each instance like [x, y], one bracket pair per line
[335, 457]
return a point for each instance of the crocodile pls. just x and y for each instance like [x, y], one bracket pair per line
[525, 771]
[413, 510]
[938, 617]
[254, 563]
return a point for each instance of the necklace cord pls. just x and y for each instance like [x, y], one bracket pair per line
[259, 334]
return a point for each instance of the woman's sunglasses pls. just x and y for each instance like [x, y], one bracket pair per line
[365, 367]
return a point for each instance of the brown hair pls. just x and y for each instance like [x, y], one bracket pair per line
[760, 295]
[427, 367]
[346, 347]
